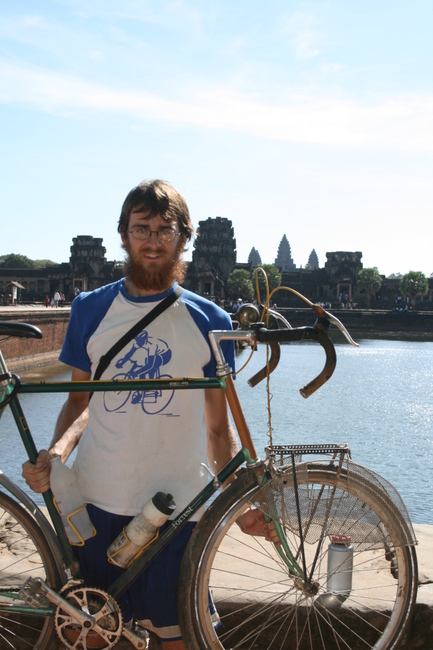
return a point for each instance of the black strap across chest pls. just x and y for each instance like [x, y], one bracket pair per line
[106, 358]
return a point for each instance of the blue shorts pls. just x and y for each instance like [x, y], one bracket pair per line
[151, 598]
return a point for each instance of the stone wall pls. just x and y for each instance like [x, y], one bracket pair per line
[26, 353]
[21, 354]
[374, 323]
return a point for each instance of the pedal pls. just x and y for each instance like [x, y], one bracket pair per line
[35, 589]
[33, 592]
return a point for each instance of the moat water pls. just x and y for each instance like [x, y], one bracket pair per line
[379, 401]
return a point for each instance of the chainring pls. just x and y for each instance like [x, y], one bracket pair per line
[108, 626]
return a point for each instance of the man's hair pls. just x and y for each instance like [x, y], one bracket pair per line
[157, 198]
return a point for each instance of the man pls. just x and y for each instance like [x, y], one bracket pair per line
[126, 455]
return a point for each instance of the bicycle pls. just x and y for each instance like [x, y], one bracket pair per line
[265, 596]
[152, 401]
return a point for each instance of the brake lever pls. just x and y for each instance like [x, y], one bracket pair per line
[322, 313]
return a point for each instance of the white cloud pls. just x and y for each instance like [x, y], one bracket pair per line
[402, 124]
[305, 37]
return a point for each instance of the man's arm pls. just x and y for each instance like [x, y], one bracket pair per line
[222, 444]
[69, 428]
[222, 447]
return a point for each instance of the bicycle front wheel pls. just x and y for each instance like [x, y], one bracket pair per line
[261, 603]
[115, 400]
[24, 553]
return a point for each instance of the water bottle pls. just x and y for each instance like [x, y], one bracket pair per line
[70, 503]
[340, 565]
[141, 530]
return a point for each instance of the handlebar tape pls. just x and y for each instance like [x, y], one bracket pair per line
[273, 337]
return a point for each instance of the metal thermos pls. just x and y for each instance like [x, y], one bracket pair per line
[340, 565]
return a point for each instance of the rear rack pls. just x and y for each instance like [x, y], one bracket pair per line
[300, 450]
[280, 456]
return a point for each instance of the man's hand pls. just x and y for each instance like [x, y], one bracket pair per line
[252, 522]
[37, 476]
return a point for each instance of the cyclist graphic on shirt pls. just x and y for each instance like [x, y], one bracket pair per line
[146, 357]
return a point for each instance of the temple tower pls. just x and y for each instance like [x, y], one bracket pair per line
[284, 257]
[213, 259]
[313, 260]
[254, 258]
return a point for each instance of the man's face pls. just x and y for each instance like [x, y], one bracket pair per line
[152, 265]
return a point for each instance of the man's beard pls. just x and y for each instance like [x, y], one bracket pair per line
[154, 278]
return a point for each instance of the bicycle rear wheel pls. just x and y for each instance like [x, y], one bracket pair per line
[261, 604]
[24, 553]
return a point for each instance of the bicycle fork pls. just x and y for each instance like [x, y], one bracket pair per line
[283, 548]
[302, 577]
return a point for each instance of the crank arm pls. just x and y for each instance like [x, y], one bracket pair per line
[35, 589]
[137, 641]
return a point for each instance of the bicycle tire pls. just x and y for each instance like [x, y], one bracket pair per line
[24, 553]
[258, 601]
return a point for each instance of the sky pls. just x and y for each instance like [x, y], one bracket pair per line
[312, 119]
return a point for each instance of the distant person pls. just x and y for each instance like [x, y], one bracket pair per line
[56, 299]
[47, 301]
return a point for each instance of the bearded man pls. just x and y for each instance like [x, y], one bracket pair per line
[130, 450]
[126, 455]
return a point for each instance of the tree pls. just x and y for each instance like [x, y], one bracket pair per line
[14, 261]
[274, 279]
[42, 264]
[414, 284]
[239, 285]
[370, 281]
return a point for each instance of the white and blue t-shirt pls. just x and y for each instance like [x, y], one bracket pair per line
[137, 443]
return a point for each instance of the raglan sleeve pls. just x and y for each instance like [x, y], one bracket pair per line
[74, 349]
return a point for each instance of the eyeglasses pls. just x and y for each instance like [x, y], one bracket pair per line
[164, 234]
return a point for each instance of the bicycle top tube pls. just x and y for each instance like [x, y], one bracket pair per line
[100, 385]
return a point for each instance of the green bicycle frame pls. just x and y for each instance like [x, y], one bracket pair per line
[88, 386]
[246, 454]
